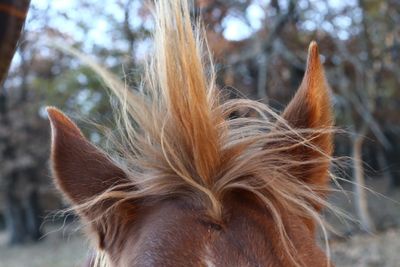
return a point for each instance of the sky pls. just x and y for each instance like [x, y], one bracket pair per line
[234, 27]
[64, 15]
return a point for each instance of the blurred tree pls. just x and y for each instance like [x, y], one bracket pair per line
[357, 40]
[22, 161]
[42, 75]
[260, 48]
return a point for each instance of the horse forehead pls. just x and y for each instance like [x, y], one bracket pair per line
[170, 235]
[176, 235]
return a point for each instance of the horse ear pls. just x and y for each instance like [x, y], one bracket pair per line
[81, 171]
[311, 109]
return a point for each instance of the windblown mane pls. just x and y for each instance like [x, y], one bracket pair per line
[176, 138]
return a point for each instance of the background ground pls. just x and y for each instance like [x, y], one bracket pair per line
[59, 249]
[69, 250]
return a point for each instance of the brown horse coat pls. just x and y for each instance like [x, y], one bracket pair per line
[195, 187]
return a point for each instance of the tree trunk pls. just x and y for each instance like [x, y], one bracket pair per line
[33, 220]
[22, 213]
[360, 198]
[14, 214]
[384, 166]
[262, 77]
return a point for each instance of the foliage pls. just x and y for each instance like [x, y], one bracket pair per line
[260, 49]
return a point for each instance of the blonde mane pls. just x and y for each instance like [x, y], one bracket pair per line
[175, 136]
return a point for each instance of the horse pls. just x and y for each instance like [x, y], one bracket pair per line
[187, 184]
